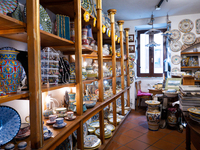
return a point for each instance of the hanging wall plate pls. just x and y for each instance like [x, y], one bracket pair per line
[176, 59]
[175, 69]
[189, 38]
[175, 46]
[186, 25]
[198, 26]
[175, 34]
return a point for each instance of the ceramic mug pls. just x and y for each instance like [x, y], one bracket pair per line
[59, 121]
[70, 114]
[52, 118]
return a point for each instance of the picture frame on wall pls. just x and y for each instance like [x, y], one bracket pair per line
[131, 37]
[131, 48]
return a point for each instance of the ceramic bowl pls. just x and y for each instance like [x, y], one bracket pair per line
[22, 145]
[25, 127]
[90, 104]
[61, 110]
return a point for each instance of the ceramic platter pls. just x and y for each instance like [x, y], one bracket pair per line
[110, 127]
[194, 110]
[186, 25]
[198, 26]
[175, 34]
[189, 38]
[96, 124]
[91, 141]
[45, 21]
[111, 120]
[10, 123]
[107, 132]
[175, 69]
[8, 6]
[85, 131]
[176, 59]
[151, 102]
[175, 46]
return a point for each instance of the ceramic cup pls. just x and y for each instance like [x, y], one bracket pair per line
[70, 114]
[59, 121]
[52, 118]
[61, 110]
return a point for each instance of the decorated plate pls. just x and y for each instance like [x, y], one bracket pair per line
[111, 120]
[198, 26]
[110, 127]
[96, 124]
[107, 132]
[118, 102]
[85, 131]
[186, 25]
[95, 117]
[175, 34]
[91, 129]
[152, 102]
[195, 110]
[91, 141]
[189, 38]
[45, 21]
[10, 123]
[176, 59]
[8, 6]
[17, 14]
[175, 69]
[175, 46]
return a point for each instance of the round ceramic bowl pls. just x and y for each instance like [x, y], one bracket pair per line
[90, 104]
[61, 110]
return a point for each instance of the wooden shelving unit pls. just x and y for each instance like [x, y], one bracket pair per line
[187, 53]
[35, 38]
[195, 67]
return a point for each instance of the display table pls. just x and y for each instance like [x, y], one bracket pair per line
[155, 91]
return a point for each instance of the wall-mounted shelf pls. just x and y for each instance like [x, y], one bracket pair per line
[195, 67]
[187, 53]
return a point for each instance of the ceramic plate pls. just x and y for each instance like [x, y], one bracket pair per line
[175, 34]
[111, 120]
[10, 124]
[175, 69]
[118, 102]
[176, 59]
[110, 127]
[8, 6]
[50, 122]
[91, 141]
[85, 131]
[195, 110]
[91, 129]
[175, 46]
[198, 26]
[17, 14]
[186, 25]
[151, 102]
[96, 124]
[45, 21]
[47, 135]
[189, 38]
[60, 126]
[106, 133]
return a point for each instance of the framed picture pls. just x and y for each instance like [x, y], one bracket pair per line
[131, 48]
[131, 37]
[173, 83]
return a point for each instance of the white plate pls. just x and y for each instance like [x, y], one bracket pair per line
[91, 141]
[186, 25]
[110, 127]
[175, 46]
[176, 59]
[175, 34]
[189, 38]
[175, 69]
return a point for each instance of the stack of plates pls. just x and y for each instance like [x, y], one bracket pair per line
[96, 123]
[107, 133]
[194, 113]
[91, 142]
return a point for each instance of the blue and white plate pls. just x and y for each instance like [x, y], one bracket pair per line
[91, 141]
[189, 38]
[59, 126]
[85, 131]
[118, 102]
[10, 123]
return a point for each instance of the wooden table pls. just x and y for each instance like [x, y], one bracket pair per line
[155, 91]
[192, 133]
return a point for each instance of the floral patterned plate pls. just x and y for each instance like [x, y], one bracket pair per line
[91, 141]
[175, 34]
[175, 46]
[198, 26]
[175, 69]
[8, 6]
[189, 38]
[186, 25]
[176, 59]
[194, 110]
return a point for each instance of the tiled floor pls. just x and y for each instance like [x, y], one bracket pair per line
[134, 135]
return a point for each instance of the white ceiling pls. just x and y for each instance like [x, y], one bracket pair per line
[139, 9]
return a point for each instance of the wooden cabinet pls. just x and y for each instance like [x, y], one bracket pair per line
[31, 34]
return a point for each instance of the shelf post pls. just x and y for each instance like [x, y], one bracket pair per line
[34, 72]
[100, 66]
[127, 66]
[112, 13]
[120, 23]
[78, 66]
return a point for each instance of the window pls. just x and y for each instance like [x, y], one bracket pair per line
[150, 59]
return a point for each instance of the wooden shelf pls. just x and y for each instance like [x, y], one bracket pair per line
[195, 67]
[185, 46]
[118, 76]
[20, 95]
[196, 80]
[89, 81]
[55, 87]
[185, 53]
[107, 78]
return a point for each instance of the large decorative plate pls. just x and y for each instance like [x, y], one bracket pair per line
[189, 38]
[176, 59]
[175, 46]
[10, 123]
[186, 25]
[85, 131]
[194, 110]
[91, 141]
[175, 69]
[8, 6]
[96, 123]
[175, 34]
[45, 21]
[17, 14]
[198, 26]
[110, 127]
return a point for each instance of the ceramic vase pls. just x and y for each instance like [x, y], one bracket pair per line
[10, 71]
[153, 115]
[171, 118]
[85, 41]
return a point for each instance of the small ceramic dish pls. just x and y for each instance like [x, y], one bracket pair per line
[22, 145]
[48, 122]
[60, 125]
[90, 104]
[70, 119]
[91, 129]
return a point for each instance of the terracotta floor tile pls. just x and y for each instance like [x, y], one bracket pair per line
[183, 144]
[156, 134]
[166, 130]
[147, 139]
[173, 139]
[180, 148]
[192, 147]
[122, 129]
[152, 148]
[142, 129]
[132, 133]
[122, 139]
[124, 148]
[137, 145]
[178, 134]
[165, 145]
[113, 145]
[138, 121]
[129, 125]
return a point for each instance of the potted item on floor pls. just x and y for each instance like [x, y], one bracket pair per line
[171, 117]
[153, 114]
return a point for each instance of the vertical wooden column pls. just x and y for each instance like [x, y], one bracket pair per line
[127, 66]
[78, 65]
[100, 66]
[120, 23]
[34, 71]
[112, 13]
